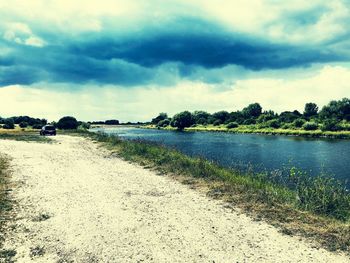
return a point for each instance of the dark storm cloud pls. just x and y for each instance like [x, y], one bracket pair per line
[140, 58]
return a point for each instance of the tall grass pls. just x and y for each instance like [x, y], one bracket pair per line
[314, 207]
[5, 205]
[321, 195]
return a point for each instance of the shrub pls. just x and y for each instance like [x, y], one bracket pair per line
[37, 126]
[249, 122]
[298, 123]
[163, 123]
[217, 122]
[23, 124]
[182, 120]
[84, 126]
[232, 125]
[67, 123]
[273, 124]
[286, 126]
[310, 126]
[331, 125]
[9, 124]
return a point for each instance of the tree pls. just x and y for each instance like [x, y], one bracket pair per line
[310, 109]
[222, 116]
[160, 117]
[67, 123]
[23, 124]
[310, 126]
[9, 124]
[182, 120]
[111, 122]
[163, 123]
[289, 116]
[336, 110]
[201, 117]
[253, 110]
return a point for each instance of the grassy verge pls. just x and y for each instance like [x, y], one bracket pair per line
[5, 204]
[269, 131]
[23, 135]
[315, 208]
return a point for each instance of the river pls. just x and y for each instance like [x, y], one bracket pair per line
[251, 151]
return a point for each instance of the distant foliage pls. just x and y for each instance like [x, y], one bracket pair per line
[23, 124]
[274, 124]
[217, 122]
[232, 125]
[160, 117]
[83, 125]
[8, 124]
[310, 126]
[333, 117]
[298, 123]
[163, 123]
[182, 120]
[67, 123]
[339, 110]
[331, 125]
[310, 109]
[111, 122]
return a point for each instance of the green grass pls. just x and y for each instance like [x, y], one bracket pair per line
[268, 131]
[27, 135]
[5, 204]
[314, 207]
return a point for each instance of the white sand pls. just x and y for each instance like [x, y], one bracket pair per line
[103, 209]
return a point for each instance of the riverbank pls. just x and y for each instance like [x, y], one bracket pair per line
[266, 131]
[5, 203]
[80, 202]
[309, 209]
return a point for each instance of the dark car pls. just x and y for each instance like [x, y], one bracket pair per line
[48, 130]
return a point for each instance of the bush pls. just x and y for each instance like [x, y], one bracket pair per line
[67, 123]
[163, 123]
[217, 122]
[310, 126]
[23, 124]
[232, 125]
[37, 126]
[273, 124]
[331, 125]
[84, 126]
[298, 123]
[249, 122]
[286, 126]
[182, 120]
[9, 124]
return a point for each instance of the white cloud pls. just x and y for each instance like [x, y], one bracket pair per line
[22, 34]
[143, 103]
[265, 18]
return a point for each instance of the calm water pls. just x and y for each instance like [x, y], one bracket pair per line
[261, 152]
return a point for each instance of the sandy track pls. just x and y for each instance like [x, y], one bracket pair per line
[78, 204]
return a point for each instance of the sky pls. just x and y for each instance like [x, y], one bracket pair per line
[130, 60]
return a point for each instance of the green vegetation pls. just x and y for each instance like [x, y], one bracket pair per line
[316, 207]
[5, 204]
[67, 123]
[333, 120]
[28, 135]
[22, 121]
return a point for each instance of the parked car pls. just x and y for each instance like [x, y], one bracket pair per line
[48, 130]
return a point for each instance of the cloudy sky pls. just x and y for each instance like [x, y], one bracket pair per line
[131, 60]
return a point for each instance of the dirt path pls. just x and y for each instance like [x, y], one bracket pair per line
[77, 204]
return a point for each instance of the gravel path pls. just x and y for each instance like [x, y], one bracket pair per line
[78, 204]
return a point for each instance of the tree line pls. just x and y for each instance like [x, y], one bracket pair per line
[335, 116]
